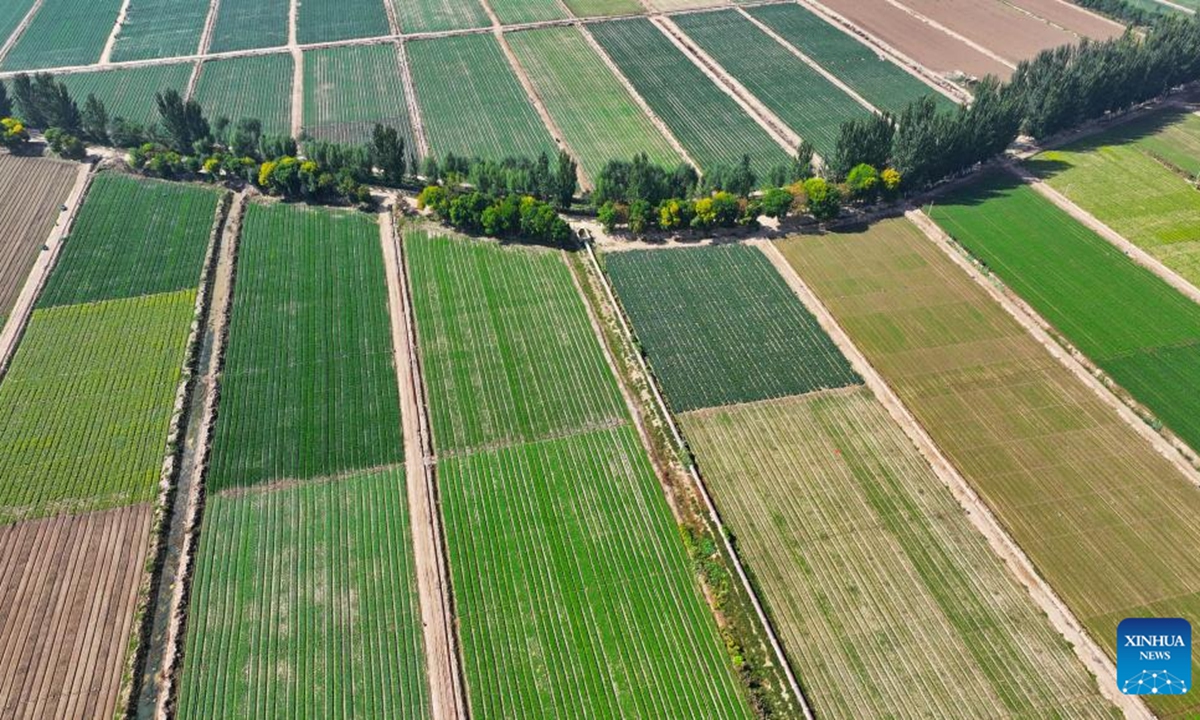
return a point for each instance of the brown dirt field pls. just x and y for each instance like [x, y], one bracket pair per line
[31, 192]
[922, 42]
[68, 587]
[1072, 17]
[1001, 28]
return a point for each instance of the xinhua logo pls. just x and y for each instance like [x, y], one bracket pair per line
[1154, 656]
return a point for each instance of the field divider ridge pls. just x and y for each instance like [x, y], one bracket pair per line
[1048, 21]
[1177, 452]
[410, 101]
[210, 24]
[19, 30]
[106, 54]
[39, 275]
[952, 33]
[978, 512]
[710, 507]
[443, 650]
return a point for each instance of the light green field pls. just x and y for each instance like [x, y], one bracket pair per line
[600, 8]
[331, 20]
[347, 90]
[416, 16]
[160, 28]
[129, 92]
[890, 603]
[514, 12]
[1106, 520]
[64, 33]
[249, 87]
[244, 24]
[597, 115]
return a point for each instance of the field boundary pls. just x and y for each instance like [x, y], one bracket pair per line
[953, 34]
[714, 516]
[106, 53]
[980, 515]
[39, 275]
[410, 101]
[448, 694]
[210, 24]
[19, 30]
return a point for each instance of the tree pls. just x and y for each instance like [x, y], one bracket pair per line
[387, 149]
[866, 140]
[862, 181]
[641, 217]
[610, 215]
[803, 162]
[824, 200]
[566, 178]
[776, 203]
[891, 181]
[246, 137]
[183, 120]
[64, 144]
[725, 208]
[13, 135]
[95, 121]
[430, 169]
[6, 109]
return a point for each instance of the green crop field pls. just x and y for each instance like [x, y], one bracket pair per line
[64, 33]
[304, 605]
[572, 588]
[348, 90]
[244, 24]
[84, 409]
[596, 114]
[309, 387]
[600, 8]
[11, 15]
[709, 124]
[249, 87]
[160, 28]
[514, 12]
[812, 106]
[722, 327]
[133, 237]
[1098, 298]
[818, 487]
[1078, 489]
[456, 76]
[509, 353]
[1156, 206]
[416, 16]
[128, 92]
[329, 20]
[877, 80]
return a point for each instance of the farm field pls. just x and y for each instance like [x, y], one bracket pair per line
[245, 24]
[309, 386]
[64, 33]
[709, 124]
[923, 43]
[509, 353]
[31, 193]
[597, 115]
[304, 602]
[454, 77]
[864, 556]
[416, 16]
[249, 87]
[1078, 489]
[329, 20]
[128, 92]
[600, 8]
[1094, 295]
[721, 327]
[812, 106]
[673, 5]
[1001, 28]
[1158, 208]
[1072, 17]
[160, 28]
[11, 15]
[876, 79]
[348, 90]
[514, 12]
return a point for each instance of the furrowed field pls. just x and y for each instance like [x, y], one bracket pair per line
[559, 528]
[321, 616]
[598, 8]
[1157, 206]
[889, 602]
[160, 28]
[243, 24]
[812, 106]
[249, 87]
[1094, 295]
[454, 77]
[513, 12]
[11, 15]
[1107, 521]
[64, 32]
[348, 90]
[329, 20]
[595, 112]
[709, 124]
[721, 327]
[416, 16]
[129, 92]
[31, 191]
[881, 83]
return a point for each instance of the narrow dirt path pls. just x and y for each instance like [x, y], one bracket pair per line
[447, 694]
[14, 327]
[980, 515]
[957, 36]
[210, 23]
[19, 30]
[297, 69]
[410, 100]
[106, 54]
[1176, 6]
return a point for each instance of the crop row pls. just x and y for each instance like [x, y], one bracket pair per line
[330, 20]
[249, 87]
[439, 15]
[129, 92]
[513, 12]
[244, 24]
[160, 28]
[722, 327]
[348, 90]
[1079, 490]
[31, 191]
[64, 32]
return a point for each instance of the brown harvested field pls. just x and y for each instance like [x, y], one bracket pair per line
[68, 586]
[1001, 28]
[31, 192]
[1071, 17]
[917, 39]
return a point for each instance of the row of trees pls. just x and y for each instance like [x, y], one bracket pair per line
[507, 215]
[1123, 11]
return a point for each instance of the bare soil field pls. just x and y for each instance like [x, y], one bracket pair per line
[1071, 17]
[918, 40]
[68, 586]
[1001, 28]
[31, 192]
